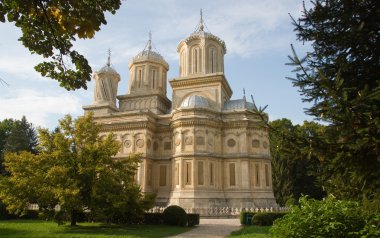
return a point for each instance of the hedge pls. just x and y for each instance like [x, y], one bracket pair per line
[266, 218]
[158, 219]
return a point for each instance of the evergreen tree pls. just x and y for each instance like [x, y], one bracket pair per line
[341, 78]
[295, 170]
[21, 137]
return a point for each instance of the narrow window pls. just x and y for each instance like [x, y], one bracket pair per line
[149, 173]
[232, 175]
[154, 78]
[211, 173]
[267, 175]
[188, 173]
[196, 60]
[200, 173]
[176, 173]
[162, 175]
[212, 60]
[257, 175]
[140, 78]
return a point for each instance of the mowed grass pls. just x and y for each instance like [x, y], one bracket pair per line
[252, 231]
[47, 229]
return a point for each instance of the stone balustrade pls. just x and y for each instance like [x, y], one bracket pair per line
[223, 211]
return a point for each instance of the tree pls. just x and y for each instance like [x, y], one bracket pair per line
[75, 170]
[49, 29]
[21, 137]
[340, 77]
[296, 171]
[16, 135]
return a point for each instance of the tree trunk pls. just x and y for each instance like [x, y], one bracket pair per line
[73, 221]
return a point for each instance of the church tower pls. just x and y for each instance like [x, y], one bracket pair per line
[147, 83]
[105, 89]
[201, 63]
[201, 53]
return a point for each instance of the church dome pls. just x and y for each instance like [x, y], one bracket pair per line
[147, 54]
[195, 101]
[108, 68]
[200, 33]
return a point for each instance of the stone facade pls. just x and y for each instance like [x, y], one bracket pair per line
[199, 150]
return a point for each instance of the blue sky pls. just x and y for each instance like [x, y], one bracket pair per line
[257, 34]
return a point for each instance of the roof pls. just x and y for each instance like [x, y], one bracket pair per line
[195, 101]
[239, 104]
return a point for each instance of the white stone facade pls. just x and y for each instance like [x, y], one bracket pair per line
[201, 149]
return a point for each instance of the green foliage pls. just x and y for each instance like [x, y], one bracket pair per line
[76, 170]
[46, 229]
[49, 29]
[175, 216]
[193, 219]
[252, 231]
[266, 218]
[16, 135]
[153, 219]
[327, 218]
[340, 78]
[296, 167]
[243, 217]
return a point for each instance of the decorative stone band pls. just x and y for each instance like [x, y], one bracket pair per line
[223, 211]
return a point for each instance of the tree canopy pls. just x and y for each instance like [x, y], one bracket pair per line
[74, 169]
[296, 171]
[340, 77]
[16, 135]
[49, 29]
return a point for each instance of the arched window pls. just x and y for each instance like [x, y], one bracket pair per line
[139, 79]
[182, 68]
[154, 78]
[196, 60]
[212, 59]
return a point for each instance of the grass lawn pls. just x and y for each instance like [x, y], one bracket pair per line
[47, 229]
[252, 231]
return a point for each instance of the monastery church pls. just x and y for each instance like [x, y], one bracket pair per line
[201, 149]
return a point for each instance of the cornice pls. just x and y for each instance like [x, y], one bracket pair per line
[201, 79]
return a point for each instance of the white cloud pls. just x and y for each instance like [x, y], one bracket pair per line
[38, 107]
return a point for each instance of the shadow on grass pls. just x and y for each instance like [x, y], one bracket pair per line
[147, 231]
[39, 229]
[10, 232]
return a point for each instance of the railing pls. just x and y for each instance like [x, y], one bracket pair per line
[222, 211]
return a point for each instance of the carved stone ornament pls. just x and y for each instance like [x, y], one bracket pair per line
[188, 140]
[140, 143]
[148, 143]
[255, 143]
[127, 143]
[177, 141]
[210, 141]
[231, 142]
[265, 144]
[155, 146]
[200, 140]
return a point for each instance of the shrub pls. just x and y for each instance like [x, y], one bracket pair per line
[192, 219]
[243, 217]
[153, 218]
[327, 218]
[175, 216]
[266, 218]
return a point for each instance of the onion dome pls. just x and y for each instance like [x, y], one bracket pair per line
[108, 68]
[147, 54]
[201, 33]
[195, 101]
